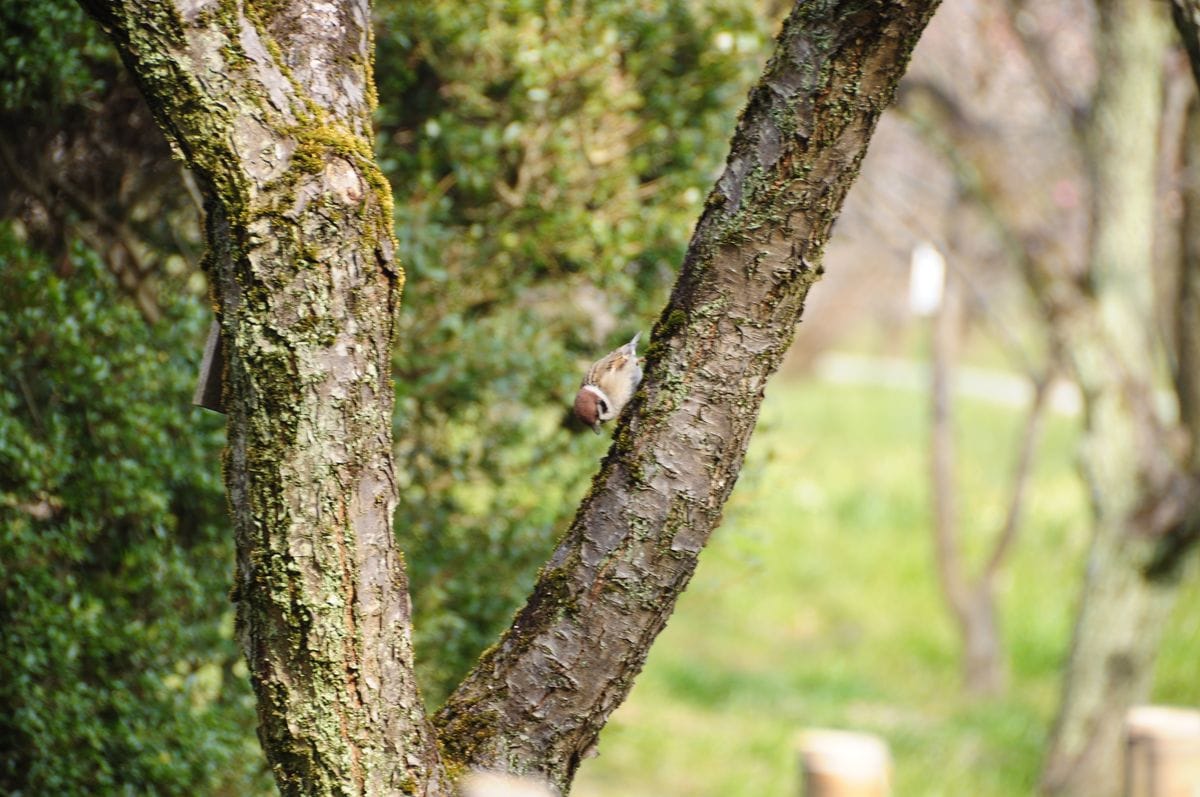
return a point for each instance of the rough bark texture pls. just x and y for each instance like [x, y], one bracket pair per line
[270, 105]
[538, 698]
[1128, 455]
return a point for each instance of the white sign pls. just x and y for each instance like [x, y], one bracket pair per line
[926, 279]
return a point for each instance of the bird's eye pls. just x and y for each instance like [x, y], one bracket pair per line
[603, 407]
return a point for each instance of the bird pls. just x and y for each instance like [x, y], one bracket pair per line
[609, 385]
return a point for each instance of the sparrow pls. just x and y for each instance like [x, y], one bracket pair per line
[609, 385]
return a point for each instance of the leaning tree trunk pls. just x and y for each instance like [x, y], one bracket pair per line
[270, 104]
[537, 700]
[1127, 454]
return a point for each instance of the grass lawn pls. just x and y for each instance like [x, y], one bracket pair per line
[815, 606]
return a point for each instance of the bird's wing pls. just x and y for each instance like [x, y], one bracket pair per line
[614, 361]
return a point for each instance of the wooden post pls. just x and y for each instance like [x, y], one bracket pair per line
[1162, 752]
[844, 764]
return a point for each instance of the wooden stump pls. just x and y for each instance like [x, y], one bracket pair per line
[1162, 752]
[844, 764]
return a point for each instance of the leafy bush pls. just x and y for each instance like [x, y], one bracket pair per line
[48, 52]
[118, 671]
[549, 161]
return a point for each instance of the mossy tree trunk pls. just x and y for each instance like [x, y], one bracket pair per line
[1141, 480]
[572, 652]
[270, 105]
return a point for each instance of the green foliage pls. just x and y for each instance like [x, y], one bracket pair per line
[118, 671]
[815, 605]
[549, 161]
[47, 52]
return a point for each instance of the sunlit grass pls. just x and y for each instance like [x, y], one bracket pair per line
[815, 605]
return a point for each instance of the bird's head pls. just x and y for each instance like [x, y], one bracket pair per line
[590, 407]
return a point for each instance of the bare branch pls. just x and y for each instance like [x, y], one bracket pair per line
[951, 568]
[1036, 50]
[1022, 470]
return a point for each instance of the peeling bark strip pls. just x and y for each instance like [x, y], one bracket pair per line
[270, 105]
[537, 700]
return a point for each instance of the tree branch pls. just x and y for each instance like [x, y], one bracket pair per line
[1021, 473]
[1037, 53]
[537, 699]
[944, 346]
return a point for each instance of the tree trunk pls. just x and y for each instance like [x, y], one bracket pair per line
[271, 107]
[971, 601]
[1127, 450]
[538, 698]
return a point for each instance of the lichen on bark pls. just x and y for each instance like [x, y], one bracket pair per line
[270, 107]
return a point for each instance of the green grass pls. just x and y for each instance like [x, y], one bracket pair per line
[815, 606]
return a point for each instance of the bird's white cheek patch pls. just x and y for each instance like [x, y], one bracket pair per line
[598, 393]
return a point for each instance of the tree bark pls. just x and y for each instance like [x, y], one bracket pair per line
[1127, 457]
[537, 699]
[270, 105]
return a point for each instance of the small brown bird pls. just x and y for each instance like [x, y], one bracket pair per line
[609, 385]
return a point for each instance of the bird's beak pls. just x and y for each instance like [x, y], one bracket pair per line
[596, 427]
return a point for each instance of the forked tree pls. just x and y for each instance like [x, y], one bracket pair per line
[269, 104]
